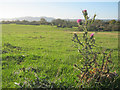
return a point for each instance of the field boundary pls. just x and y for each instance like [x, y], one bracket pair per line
[110, 33]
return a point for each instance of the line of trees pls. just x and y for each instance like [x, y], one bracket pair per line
[25, 22]
[98, 25]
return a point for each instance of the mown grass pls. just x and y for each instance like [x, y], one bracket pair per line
[47, 50]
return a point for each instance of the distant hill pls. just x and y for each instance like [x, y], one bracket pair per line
[49, 19]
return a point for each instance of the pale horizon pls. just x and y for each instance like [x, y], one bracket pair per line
[62, 10]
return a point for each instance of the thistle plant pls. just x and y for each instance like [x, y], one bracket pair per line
[96, 66]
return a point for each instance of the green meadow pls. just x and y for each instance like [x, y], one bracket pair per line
[45, 51]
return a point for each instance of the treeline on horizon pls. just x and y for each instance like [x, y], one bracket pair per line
[98, 25]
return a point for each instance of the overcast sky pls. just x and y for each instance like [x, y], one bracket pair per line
[64, 9]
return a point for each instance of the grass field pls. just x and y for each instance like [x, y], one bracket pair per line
[46, 50]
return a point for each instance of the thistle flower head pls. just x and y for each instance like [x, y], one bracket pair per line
[85, 13]
[84, 10]
[92, 35]
[79, 20]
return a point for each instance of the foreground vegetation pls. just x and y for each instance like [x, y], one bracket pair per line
[45, 53]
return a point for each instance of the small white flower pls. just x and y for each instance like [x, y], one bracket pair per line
[78, 50]
[16, 83]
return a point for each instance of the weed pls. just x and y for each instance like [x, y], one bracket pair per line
[95, 65]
